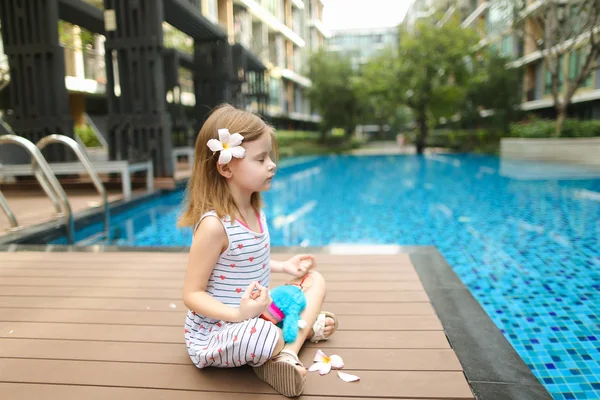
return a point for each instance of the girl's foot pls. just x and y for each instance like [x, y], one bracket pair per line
[325, 326]
[284, 372]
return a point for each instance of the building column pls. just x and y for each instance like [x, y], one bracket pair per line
[38, 103]
[213, 76]
[139, 124]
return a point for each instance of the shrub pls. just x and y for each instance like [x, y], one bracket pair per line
[478, 141]
[544, 128]
[87, 136]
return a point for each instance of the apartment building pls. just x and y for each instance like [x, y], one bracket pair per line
[361, 45]
[282, 34]
[493, 21]
[144, 74]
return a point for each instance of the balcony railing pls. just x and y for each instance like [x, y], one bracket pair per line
[85, 64]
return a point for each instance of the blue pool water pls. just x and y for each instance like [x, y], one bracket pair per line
[523, 237]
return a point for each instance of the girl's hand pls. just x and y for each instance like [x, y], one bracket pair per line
[253, 303]
[299, 265]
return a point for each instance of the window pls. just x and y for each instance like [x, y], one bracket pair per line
[275, 92]
[576, 61]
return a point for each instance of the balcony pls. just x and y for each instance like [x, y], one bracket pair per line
[85, 71]
[318, 25]
[272, 22]
[299, 4]
[475, 14]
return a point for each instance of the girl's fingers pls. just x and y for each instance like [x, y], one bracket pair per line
[264, 293]
[308, 261]
[250, 290]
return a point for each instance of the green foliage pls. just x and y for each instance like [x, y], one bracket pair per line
[66, 38]
[378, 91]
[176, 39]
[287, 138]
[463, 140]
[433, 71]
[87, 136]
[334, 92]
[301, 143]
[491, 76]
[547, 128]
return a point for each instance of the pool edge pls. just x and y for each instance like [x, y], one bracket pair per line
[491, 365]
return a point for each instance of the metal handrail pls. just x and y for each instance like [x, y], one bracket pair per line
[83, 157]
[9, 214]
[48, 178]
[39, 176]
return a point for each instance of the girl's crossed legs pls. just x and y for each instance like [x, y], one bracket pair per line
[284, 371]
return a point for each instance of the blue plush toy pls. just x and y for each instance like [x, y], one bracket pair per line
[288, 302]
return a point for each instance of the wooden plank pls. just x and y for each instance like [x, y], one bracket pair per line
[72, 303]
[136, 255]
[169, 353]
[422, 384]
[178, 283]
[173, 257]
[115, 265]
[180, 274]
[73, 392]
[124, 293]
[175, 295]
[380, 384]
[166, 334]
[165, 318]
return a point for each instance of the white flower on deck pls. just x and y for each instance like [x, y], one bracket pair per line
[323, 364]
[228, 145]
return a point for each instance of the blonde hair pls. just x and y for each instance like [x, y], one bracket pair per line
[207, 189]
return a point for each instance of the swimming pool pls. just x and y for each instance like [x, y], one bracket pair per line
[523, 237]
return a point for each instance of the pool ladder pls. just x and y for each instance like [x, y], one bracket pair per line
[50, 184]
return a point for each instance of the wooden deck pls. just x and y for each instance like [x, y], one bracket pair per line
[33, 207]
[110, 325]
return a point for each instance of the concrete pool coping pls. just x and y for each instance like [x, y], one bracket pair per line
[492, 367]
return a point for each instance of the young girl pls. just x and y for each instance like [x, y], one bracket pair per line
[229, 267]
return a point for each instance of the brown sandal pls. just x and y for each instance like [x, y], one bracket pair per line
[283, 375]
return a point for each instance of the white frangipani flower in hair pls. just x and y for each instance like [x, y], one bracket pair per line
[228, 145]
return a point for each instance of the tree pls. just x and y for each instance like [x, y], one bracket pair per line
[490, 74]
[334, 93]
[433, 71]
[559, 28]
[378, 91]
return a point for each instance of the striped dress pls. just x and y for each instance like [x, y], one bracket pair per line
[215, 343]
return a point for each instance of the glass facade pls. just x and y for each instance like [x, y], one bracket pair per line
[362, 45]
